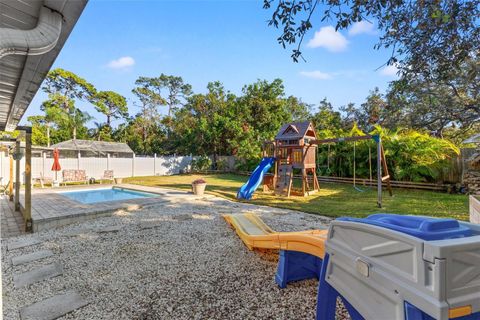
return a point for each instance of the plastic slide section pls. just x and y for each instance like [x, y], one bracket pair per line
[256, 234]
[247, 190]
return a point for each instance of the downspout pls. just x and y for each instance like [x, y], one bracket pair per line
[37, 41]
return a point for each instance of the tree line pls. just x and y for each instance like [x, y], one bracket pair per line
[219, 122]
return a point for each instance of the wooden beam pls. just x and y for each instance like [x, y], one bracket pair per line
[27, 129]
[17, 175]
[28, 182]
[336, 140]
[10, 182]
[304, 180]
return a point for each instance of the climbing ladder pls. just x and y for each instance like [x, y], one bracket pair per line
[308, 189]
[284, 180]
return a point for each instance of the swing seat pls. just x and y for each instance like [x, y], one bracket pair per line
[358, 189]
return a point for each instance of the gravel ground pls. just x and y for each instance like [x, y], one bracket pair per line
[188, 265]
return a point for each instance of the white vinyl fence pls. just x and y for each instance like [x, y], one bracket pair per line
[95, 167]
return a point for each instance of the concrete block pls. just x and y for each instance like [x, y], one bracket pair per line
[53, 307]
[109, 229]
[151, 225]
[38, 274]
[183, 217]
[17, 244]
[26, 258]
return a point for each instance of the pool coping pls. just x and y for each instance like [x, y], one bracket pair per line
[51, 209]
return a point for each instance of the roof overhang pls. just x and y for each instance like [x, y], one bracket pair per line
[24, 64]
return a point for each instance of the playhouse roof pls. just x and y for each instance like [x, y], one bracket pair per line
[294, 130]
[94, 146]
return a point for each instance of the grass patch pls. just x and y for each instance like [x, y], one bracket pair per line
[333, 200]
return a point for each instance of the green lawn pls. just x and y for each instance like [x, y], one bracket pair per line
[333, 200]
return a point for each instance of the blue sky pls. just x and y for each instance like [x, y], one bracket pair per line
[115, 42]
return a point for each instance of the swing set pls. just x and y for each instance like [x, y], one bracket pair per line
[381, 162]
[295, 149]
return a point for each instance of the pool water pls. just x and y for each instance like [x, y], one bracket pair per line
[104, 195]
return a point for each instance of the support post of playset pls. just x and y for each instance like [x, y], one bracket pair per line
[379, 172]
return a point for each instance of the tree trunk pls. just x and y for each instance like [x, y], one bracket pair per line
[74, 132]
[214, 165]
[144, 141]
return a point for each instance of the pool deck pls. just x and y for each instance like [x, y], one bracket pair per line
[12, 221]
[51, 209]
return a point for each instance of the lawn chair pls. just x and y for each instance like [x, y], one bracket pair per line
[107, 175]
[74, 176]
[43, 180]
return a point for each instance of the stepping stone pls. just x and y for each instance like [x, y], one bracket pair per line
[53, 307]
[183, 217]
[77, 233]
[153, 225]
[26, 258]
[36, 275]
[17, 244]
[109, 229]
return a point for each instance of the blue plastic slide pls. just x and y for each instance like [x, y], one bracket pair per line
[247, 190]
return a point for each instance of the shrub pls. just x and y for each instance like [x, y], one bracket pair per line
[246, 164]
[201, 163]
[411, 156]
[415, 156]
[222, 165]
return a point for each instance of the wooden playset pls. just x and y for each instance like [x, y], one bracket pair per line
[293, 148]
[294, 151]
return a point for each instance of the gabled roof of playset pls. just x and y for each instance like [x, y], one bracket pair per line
[295, 130]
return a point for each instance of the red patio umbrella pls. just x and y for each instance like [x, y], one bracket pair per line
[56, 163]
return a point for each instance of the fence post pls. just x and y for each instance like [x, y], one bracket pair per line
[78, 160]
[108, 161]
[44, 159]
[133, 165]
[154, 164]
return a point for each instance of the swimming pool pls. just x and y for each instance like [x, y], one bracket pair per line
[104, 195]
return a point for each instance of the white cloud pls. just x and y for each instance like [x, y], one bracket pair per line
[329, 39]
[316, 75]
[362, 27]
[389, 71]
[121, 63]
